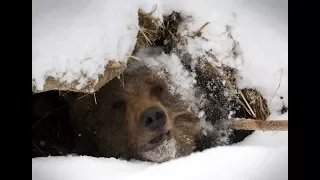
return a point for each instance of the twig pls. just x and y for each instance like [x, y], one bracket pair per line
[66, 93]
[252, 124]
[133, 57]
[174, 37]
[43, 117]
[145, 36]
[199, 30]
[83, 96]
[244, 99]
[281, 70]
[95, 99]
[38, 148]
[88, 84]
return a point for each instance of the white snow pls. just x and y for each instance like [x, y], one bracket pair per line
[66, 33]
[74, 40]
[223, 163]
[182, 81]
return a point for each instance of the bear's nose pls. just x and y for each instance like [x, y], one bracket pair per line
[153, 118]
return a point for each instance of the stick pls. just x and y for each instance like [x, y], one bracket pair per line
[252, 124]
[199, 30]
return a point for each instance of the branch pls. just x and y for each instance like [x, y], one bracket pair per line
[199, 30]
[267, 125]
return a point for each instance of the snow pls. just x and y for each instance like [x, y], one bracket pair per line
[182, 81]
[66, 34]
[75, 41]
[265, 53]
[223, 163]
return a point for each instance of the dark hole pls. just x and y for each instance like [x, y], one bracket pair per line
[148, 121]
[51, 129]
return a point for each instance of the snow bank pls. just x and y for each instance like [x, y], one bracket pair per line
[223, 163]
[262, 30]
[259, 31]
[75, 40]
[70, 40]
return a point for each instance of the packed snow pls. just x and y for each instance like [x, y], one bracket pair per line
[75, 41]
[223, 163]
[71, 39]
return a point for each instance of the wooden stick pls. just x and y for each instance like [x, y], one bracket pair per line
[253, 124]
[199, 30]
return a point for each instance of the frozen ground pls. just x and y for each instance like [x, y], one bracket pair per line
[81, 37]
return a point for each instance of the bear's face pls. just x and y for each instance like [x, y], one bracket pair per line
[137, 116]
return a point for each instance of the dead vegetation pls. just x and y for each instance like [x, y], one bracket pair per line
[155, 33]
[250, 99]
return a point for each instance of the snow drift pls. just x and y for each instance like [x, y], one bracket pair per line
[76, 41]
[223, 163]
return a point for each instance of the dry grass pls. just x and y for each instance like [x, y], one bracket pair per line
[154, 32]
[257, 103]
[250, 99]
[150, 29]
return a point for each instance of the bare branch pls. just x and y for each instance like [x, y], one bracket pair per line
[253, 124]
[199, 30]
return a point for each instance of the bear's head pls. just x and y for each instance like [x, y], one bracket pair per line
[136, 116]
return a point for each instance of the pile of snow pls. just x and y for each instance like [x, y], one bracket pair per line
[76, 40]
[71, 39]
[264, 155]
[223, 163]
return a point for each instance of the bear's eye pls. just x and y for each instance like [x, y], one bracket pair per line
[157, 89]
[118, 104]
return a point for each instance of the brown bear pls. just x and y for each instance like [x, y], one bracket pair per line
[138, 116]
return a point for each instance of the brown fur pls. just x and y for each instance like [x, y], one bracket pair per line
[112, 125]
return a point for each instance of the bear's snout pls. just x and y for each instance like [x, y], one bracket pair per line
[153, 119]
